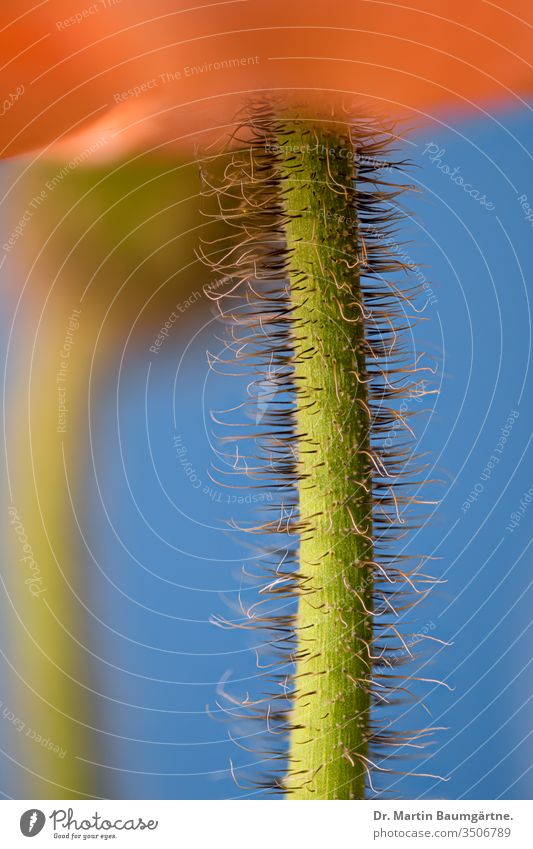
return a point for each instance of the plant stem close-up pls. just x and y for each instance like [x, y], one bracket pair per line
[320, 322]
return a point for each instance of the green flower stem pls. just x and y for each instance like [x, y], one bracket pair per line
[53, 698]
[330, 718]
[118, 242]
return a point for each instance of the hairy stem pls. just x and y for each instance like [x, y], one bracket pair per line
[331, 712]
[317, 302]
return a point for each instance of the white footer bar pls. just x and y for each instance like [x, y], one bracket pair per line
[262, 824]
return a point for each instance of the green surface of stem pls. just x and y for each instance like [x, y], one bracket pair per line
[330, 717]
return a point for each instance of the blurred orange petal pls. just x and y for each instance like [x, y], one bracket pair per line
[167, 69]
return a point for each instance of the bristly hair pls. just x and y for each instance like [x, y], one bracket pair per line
[267, 339]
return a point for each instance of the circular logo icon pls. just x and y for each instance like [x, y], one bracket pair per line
[32, 822]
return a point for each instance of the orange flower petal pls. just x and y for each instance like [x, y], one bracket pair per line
[168, 68]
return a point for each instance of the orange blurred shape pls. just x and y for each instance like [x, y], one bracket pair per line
[161, 72]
